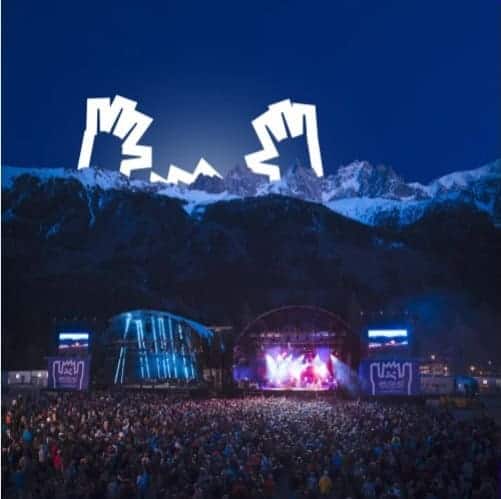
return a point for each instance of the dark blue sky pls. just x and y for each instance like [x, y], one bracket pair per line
[412, 84]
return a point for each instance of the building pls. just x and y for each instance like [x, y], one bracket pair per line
[36, 378]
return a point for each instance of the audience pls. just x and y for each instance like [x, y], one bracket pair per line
[149, 446]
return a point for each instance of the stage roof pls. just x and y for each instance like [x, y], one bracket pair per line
[202, 330]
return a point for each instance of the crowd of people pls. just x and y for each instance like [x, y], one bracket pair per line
[149, 446]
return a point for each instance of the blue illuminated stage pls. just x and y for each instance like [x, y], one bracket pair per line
[155, 346]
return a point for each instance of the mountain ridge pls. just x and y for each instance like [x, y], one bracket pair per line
[373, 195]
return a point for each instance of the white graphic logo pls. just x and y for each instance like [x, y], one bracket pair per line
[391, 377]
[270, 127]
[121, 119]
[177, 174]
[68, 372]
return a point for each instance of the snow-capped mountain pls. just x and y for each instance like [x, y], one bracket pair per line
[239, 181]
[361, 179]
[374, 195]
[297, 182]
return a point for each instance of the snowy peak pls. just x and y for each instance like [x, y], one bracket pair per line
[460, 181]
[89, 177]
[297, 182]
[107, 180]
[239, 181]
[387, 199]
[361, 179]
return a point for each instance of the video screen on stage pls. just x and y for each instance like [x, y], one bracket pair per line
[381, 339]
[285, 368]
[73, 342]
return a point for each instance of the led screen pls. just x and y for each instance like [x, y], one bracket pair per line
[387, 338]
[70, 341]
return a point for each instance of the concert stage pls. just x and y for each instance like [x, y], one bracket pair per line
[297, 389]
[296, 349]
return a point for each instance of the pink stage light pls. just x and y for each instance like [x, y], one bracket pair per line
[284, 370]
[320, 368]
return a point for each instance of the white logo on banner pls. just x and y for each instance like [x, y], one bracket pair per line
[390, 376]
[70, 372]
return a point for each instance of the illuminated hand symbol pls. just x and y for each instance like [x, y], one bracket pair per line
[121, 119]
[273, 125]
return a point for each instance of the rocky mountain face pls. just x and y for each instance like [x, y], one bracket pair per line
[361, 179]
[240, 181]
[351, 188]
[93, 244]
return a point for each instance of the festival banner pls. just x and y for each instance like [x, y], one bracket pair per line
[69, 373]
[390, 377]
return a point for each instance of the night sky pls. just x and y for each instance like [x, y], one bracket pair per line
[411, 84]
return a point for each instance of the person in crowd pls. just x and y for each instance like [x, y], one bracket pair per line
[325, 484]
